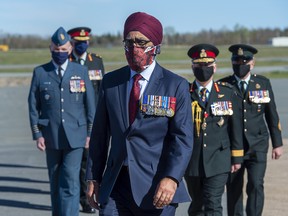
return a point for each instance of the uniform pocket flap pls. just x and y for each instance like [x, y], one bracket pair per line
[225, 144]
[43, 122]
[82, 122]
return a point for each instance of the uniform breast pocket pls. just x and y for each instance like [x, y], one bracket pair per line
[76, 97]
[47, 94]
[257, 107]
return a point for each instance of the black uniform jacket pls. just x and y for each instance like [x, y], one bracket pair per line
[96, 70]
[217, 135]
[254, 124]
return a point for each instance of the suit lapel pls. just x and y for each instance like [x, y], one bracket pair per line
[155, 81]
[124, 96]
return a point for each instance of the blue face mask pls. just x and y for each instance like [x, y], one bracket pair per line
[80, 47]
[59, 57]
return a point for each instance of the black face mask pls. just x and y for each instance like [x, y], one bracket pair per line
[241, 70]
[203, 73]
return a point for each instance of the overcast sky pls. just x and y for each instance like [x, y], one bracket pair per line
[42, 17]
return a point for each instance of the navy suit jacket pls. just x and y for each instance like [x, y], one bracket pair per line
[52, 103]
[155, 146]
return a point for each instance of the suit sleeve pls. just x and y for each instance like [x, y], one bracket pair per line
[34, 106]
[272, 119]
[99, 141]
[180, 134]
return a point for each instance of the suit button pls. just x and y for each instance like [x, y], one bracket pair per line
[62, 89]
[204, 145]
[62, 100]
[62, 110]
[63, 120]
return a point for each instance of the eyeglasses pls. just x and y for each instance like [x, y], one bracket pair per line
[136, 41]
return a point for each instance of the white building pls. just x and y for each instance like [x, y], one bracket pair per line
[279, 41]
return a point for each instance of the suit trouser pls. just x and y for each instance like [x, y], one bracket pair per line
[63, 170]
[121, 202]
[256, 167]
[206, 194]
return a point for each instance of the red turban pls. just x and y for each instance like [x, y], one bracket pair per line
[146, 24]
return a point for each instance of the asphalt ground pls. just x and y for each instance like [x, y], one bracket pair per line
[24, 187]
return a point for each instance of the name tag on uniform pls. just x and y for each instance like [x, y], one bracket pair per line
[261, 96]
[221, 108]
[158, 105]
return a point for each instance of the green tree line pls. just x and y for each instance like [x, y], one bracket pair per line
[223, 36]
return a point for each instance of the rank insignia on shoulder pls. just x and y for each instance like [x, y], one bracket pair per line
[158, 105]
[95, 74]
[77, 86]
[261, 96]
[222, 108]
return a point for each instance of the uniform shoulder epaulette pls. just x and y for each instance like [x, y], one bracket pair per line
[260, 76]
[95, 55]
[225, 79]
[226, 84]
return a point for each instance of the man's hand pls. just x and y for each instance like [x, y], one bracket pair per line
[235, 167]
[87, 143]
[277, 152]
[164, 193]
[92, 194]
[40, 142]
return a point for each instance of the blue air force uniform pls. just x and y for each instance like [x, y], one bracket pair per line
[61, 110]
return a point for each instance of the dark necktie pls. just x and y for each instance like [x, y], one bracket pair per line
[203, 95]
[242, 87]
[59, 73]
[134, 98]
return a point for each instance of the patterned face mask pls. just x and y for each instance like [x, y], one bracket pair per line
[139, 58]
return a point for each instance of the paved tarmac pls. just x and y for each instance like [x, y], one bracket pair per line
[24, 188]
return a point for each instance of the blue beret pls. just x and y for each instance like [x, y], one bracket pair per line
[60, 37]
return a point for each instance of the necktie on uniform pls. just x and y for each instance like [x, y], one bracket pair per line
[242, 87]
[203, 95]
[134, 98]
[59, 73]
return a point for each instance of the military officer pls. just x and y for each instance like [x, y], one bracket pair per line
[61, 111]
[80, 40]
[218, 147]
[257, 99]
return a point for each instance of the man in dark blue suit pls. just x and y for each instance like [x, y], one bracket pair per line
[61, 110]
[142, 135]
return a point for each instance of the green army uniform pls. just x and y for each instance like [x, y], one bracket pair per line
[259, 119]
[217, 143]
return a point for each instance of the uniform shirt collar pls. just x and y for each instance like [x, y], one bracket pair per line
[63, 66]
[84, 56]
[146, 74]
[208, 87]
[246, 80]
